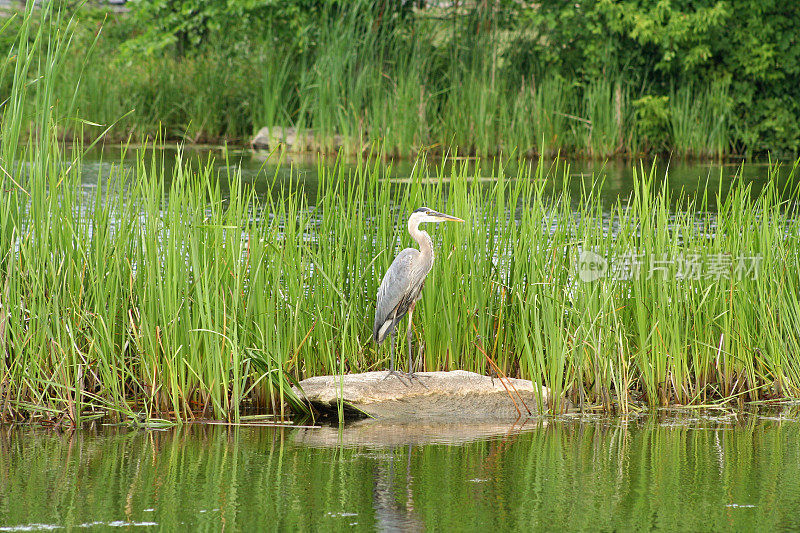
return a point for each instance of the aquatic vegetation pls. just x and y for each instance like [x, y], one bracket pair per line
[164, 295]
[176, 294]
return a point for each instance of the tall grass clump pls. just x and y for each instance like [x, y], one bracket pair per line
[605, 104]
[153, 300]
[94, 315]
[700, 120]
[142, 299]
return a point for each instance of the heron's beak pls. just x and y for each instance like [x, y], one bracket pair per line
[445, 218]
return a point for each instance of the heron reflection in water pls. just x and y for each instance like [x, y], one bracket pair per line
[401, 287]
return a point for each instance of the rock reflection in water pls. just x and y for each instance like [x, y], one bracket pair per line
[376, 434]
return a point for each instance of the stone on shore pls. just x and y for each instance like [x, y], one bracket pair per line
[456, 395]
[271, 137]
[293, 140]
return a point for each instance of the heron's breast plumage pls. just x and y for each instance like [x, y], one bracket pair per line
[400, 288]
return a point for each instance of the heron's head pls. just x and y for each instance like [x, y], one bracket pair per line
[426, 214]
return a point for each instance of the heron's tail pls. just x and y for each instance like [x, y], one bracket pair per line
[382, 329]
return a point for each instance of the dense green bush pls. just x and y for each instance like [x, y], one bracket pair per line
[750, 46]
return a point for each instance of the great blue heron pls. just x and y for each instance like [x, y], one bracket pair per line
[402, 284]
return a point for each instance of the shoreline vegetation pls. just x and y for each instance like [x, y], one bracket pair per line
[153, 297]
[596, 79]
[142, 301]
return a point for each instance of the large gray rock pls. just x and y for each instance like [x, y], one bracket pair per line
[456, 395]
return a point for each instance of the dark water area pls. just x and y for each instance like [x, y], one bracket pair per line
[687, 178]
[674, 472]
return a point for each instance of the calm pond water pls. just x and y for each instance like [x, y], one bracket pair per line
[616, 175]
[671, 473]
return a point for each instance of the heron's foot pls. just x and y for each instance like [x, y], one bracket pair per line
[413, 375]
[400, 376]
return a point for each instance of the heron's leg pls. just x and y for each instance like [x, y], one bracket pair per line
[392, 371]
[391, 351]
[409, 334]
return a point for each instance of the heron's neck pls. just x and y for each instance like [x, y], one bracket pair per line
[422, 238]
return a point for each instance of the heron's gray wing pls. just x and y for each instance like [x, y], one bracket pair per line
[398, 289]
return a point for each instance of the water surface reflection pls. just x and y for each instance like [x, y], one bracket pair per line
[260, 170]
[665, 473]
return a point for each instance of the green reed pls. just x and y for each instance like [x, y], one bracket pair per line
[700, 120]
